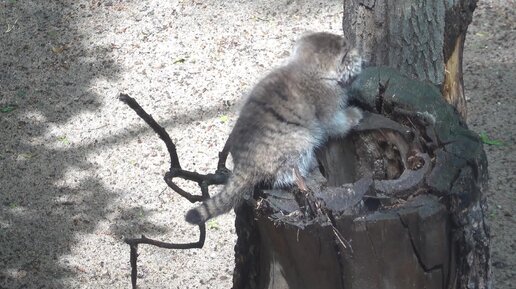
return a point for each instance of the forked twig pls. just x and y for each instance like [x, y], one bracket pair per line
[219, 177]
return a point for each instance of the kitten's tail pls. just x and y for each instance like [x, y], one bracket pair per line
[221, 203]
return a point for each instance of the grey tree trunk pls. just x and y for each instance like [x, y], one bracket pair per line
[400, 202]
[423, 39]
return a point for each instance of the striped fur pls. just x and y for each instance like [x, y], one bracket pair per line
[220, 203]
[288, 114]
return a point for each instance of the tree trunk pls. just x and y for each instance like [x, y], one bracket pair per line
[423, 39]
[400, 202]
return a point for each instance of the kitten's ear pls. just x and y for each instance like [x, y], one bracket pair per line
[306, 33]
[296, 52]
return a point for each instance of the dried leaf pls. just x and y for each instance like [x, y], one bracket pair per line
[212, 224]
[7, 108]
[485, 139]
[224, 118]
[63, 139]
[52, 34]
[24, 156]
[58, 49]
[21, 93]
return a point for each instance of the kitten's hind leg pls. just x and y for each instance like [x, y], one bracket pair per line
[300, 181]
[295, 168]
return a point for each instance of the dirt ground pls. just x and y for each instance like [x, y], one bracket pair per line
[79, 171]
[490, 85]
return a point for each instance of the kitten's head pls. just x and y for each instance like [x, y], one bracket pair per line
[329, 56]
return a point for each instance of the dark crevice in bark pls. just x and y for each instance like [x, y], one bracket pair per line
[416, 251]
[367, 4]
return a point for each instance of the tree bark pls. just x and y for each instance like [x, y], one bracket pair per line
[423, 39]
[399, 203]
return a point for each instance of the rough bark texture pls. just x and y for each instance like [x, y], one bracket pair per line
[412, 215]
[423, 39]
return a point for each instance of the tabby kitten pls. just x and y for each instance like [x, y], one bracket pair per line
[288, 114]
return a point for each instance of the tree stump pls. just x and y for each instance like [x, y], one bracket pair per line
[399, 203]
[408, 212]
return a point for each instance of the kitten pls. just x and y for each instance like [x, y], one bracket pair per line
[288, 114]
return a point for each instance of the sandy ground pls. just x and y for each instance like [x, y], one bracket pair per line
[79, 171]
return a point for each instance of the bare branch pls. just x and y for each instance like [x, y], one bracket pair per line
[171, 147]
[203, 180]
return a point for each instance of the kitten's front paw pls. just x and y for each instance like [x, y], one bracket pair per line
[355, 63]
[353, 66]
[354, 115]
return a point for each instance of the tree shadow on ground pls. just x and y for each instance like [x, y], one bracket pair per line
[50, 192]
[48, 196]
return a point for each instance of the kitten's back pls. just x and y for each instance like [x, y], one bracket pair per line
[287, 114]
